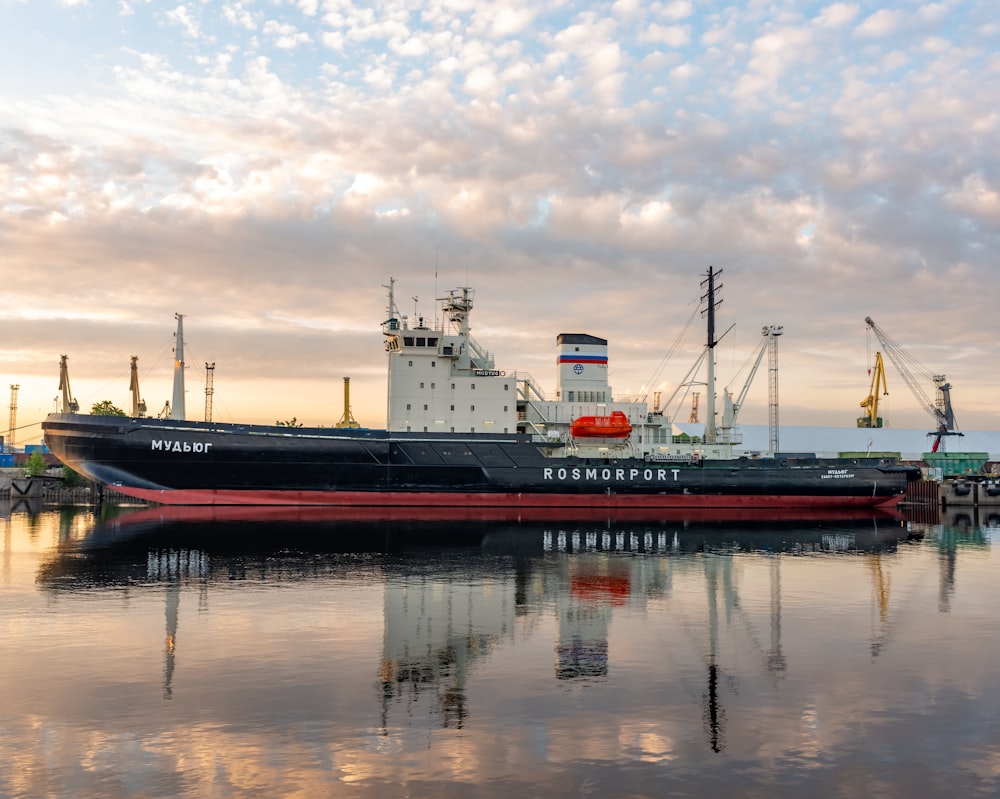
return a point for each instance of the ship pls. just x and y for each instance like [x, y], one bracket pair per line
[461, 432]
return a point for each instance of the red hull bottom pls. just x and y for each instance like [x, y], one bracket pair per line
[400, 499]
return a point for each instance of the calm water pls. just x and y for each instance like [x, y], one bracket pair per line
[284, 656]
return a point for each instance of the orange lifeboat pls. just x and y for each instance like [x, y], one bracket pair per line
[614, 426]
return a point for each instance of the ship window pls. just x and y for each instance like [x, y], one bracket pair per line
[473, 386]
[432, 385]
[421, 385]
[422, 453]
[433, 364]
[453, 408]
[425, 428]
[472, 407]
[408, 341]
[422, 342]
[447, 351]
[452, 388]
[506, 386]
[432, 342]
[425, 408]
[407, 406]
[505, 409]
[411, 363]
[456, 453]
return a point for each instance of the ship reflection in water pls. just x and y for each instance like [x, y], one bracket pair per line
[316, 650]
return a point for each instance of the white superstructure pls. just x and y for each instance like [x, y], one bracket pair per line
[441, 381]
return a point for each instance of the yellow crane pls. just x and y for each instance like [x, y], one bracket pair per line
[138, 403]
[870, 403]
[347, 420]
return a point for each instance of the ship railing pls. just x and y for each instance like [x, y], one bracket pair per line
[539, 437]
[526, 386]
[728, 436]
[483, 357]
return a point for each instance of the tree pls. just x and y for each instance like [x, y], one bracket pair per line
[293, 422]
[71, 478]
[35, 465]
[106, 408]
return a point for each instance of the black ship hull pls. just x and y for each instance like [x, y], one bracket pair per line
[202, 463]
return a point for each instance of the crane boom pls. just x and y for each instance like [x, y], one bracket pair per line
[758, 356]
[731, 406]
[940, 410]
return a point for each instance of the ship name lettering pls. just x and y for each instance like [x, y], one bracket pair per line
[490, 373]
[165, 445]
[837, 474]
[647, 475]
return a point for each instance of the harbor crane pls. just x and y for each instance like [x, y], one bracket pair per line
[347, 420]
[209, 389]
[12, 427]
[870, 403]
[69, 403]
[138, 403]
[940, 408]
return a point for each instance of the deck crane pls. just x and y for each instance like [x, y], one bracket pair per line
[731, 407]
[940, 409]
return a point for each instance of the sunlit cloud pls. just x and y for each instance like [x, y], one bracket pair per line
[246, 151]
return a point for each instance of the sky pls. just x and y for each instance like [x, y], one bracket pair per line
[265, 167]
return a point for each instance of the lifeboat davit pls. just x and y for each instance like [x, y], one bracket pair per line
[614, 426]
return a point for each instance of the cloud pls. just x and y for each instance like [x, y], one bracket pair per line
[286, 37]
[882, 23]
[837, 15]
[977, 198]
[671, 36]
[773, 55]
[250, 161]
[182, 16]
[238, 14]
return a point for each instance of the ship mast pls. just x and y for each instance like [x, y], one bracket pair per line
[177, 407]
[392, 323]
[710, 305]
